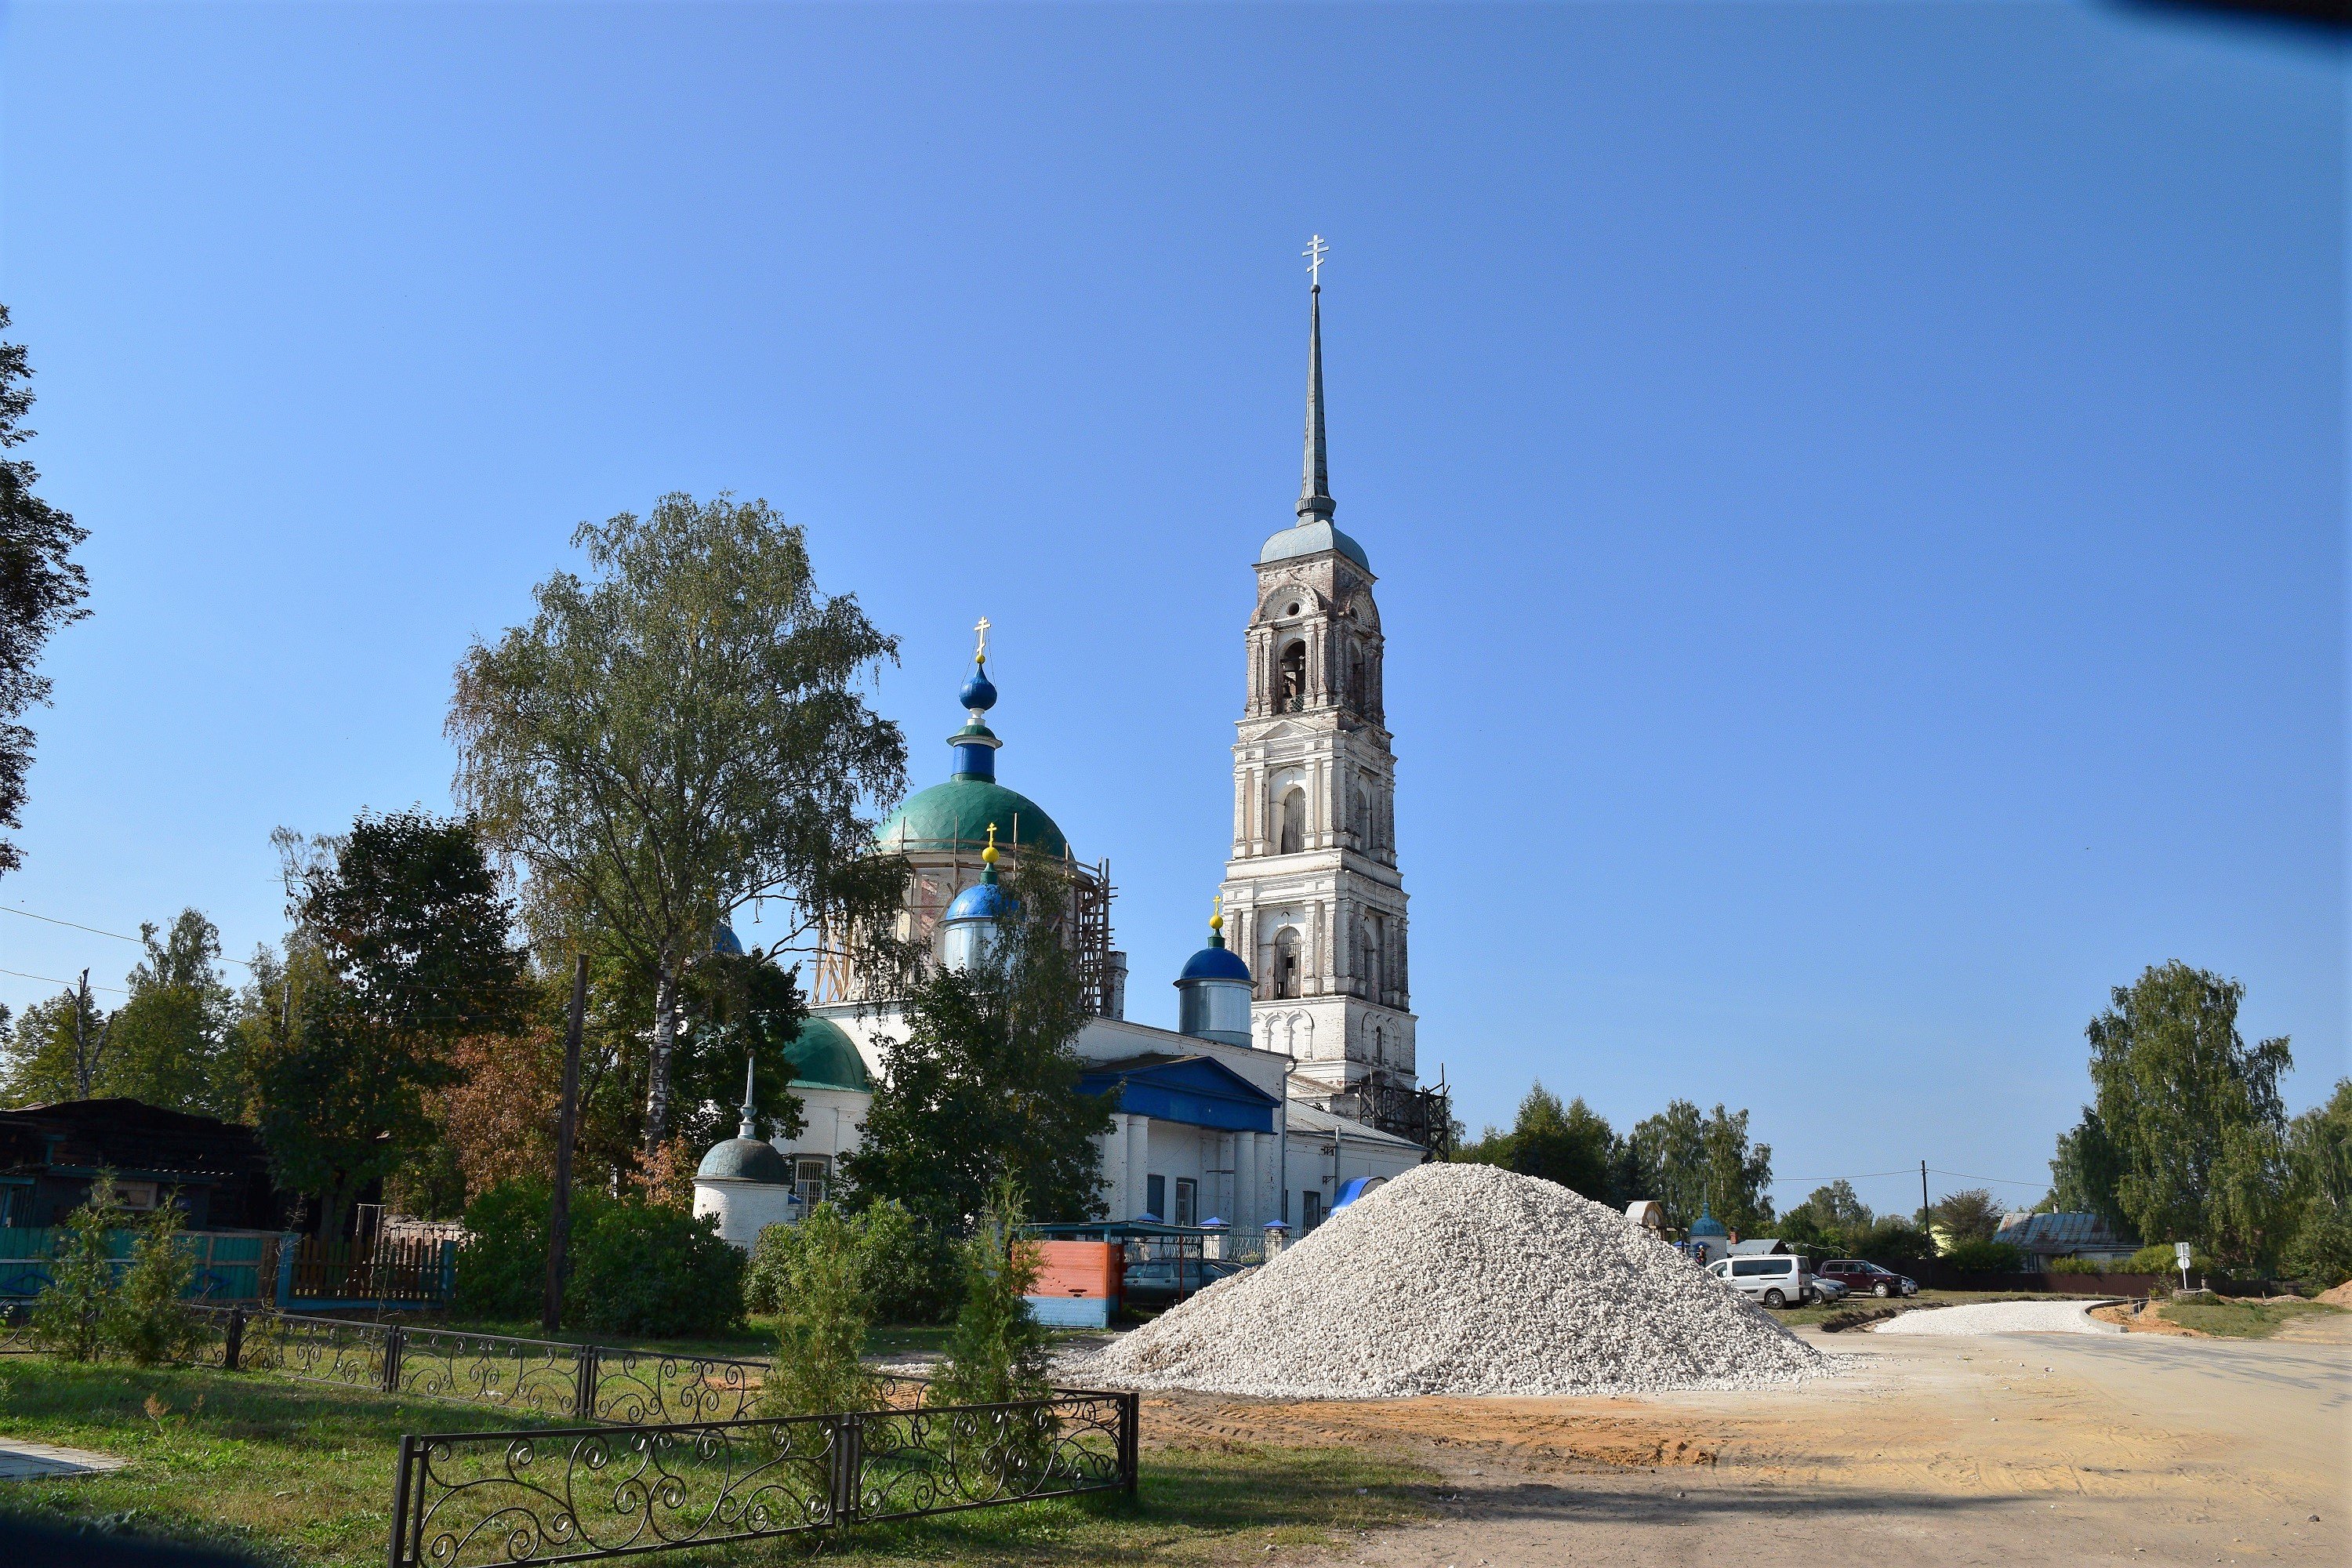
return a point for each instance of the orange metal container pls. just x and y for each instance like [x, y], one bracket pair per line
[1087, 1268]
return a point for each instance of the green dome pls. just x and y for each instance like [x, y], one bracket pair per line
[825, 1057]
[744, 1160]
[960, 810]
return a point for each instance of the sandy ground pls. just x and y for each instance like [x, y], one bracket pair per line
[1928, 1450]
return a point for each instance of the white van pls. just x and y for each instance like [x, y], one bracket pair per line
[1775, 1278]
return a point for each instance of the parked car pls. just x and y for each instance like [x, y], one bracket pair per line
[1773, 1279]
[1867, 1278]
[1153, 1282]
[1826, 1292]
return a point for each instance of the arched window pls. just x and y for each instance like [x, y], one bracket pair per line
[1286, 962]
[1371, 969]
[1363, 821]
[1290, 679]
[1293, 835]
[1360, 687]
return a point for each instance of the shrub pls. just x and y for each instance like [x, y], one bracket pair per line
[997, 1352]
[2159, 1257]
[641, 1267]
[145, 1318]
[637, 1267]
[68, 1318]
[910, 1272]
[2320, 1251]
[821, 1308]
[1891, 1241]
[1986, 1258]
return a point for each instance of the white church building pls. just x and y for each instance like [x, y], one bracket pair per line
[1292, 1042]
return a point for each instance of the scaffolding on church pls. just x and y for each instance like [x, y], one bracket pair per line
[939, 869]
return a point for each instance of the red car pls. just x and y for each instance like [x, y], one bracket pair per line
[1862, 1279]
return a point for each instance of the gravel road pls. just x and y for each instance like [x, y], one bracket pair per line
[2000, 1317]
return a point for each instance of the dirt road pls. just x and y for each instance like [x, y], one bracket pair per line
[1928, 1451]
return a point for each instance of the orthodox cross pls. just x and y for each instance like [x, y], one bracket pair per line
[1315, 252]
[979, 654]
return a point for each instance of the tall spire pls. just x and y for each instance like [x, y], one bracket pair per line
[1315, 504]
[751, 1127]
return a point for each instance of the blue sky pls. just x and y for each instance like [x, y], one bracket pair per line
[1858, 491]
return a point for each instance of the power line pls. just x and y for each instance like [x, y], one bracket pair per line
[118, 936]
[75, 924]
[1997, 1181]
[53, 980]
[1866, 1176]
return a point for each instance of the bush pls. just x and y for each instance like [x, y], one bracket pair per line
[68, 1318]
[1987, 1257]
[637, 1268]
[997, 1352]
[145, 1318]
[640, 1267]
[2159, 1257]
[910, 1272]
[821, 1308]
[2320, 1251]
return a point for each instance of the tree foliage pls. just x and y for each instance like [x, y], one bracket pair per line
[676, 737]
[1692, 1163]
[996, 1352]
[822, 1306]
[2192, 1123]
[41, 588]
[400, 948]
[173, 1043]
[1970, 1215]
[983, 1086]
[69, 1317]
[2084, 1174]
[1571, 1145]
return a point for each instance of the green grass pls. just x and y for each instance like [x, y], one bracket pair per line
[2240, 1319]
[293, 1474]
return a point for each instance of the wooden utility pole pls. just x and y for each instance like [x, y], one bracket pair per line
[567, 1126]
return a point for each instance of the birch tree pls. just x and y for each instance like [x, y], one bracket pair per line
[677, 734]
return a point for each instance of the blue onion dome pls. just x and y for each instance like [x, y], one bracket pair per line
[723, 940]
[744, 1160]
[981, 901]
[822, 1055]
[978, 693]
[1707, 1225]
[1312, 537]
[1216, 961]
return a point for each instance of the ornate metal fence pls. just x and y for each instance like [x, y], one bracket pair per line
[546, 1377]
[471, 1500]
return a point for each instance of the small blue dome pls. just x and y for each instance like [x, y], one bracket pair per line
[724, 939]
[979, 692]
[981, 901]
[1706, 1224]
[1214, 964]
[744, 1160]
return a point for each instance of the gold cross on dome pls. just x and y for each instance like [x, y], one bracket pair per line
[979, 654]
[1315, 252]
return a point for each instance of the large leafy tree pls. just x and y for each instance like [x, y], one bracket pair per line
[2193, 1113]
[1970, 1215]
[1571, 1144]
[983, 1086]
[401, 947]
[679, 735]
[2084, 1174]
[2319, 1159]
[1686, 1162]
[173, 1044]
[41, 587]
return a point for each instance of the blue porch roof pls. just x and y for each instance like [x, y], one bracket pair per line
[1195, 1090]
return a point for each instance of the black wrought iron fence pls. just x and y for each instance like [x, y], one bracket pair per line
[470, 1500]
[551, 1378]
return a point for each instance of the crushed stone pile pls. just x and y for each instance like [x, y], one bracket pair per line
[1462, 1279]
[2001, 1318]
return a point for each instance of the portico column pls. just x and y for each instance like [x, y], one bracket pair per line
[1138, 1165]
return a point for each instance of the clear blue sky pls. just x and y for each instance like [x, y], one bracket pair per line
[1858, 490]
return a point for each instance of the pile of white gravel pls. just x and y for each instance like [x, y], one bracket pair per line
[2001, 1318]
[1462, 1279]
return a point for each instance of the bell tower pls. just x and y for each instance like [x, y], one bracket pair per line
[1312, 895]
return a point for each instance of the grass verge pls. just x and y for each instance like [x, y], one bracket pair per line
[2238, 1319]
[292, 1474]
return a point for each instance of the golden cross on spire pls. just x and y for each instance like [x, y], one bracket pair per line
[979, 654]
[1315, 252]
